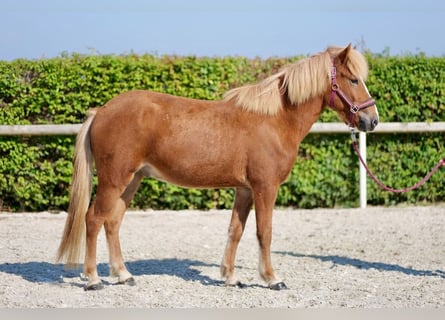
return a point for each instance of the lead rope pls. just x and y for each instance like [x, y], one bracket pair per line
[381, 184]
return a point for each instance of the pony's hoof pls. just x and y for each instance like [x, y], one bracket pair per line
[240, 285]
[129, 282]
[278, 286]
[94, 287]
[237, 284]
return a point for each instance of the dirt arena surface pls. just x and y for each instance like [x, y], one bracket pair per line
[374, 257]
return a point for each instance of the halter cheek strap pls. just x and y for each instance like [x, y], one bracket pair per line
[334, 84]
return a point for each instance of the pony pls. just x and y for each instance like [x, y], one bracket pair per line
[248, 141]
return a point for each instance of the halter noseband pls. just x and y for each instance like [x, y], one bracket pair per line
[335, 90]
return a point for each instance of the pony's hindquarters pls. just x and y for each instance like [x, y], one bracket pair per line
[73, 239]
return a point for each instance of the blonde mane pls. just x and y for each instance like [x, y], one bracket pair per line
[302, 80]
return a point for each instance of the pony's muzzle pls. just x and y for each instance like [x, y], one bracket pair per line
[367, 122]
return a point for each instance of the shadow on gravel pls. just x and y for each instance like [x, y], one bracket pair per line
[49, 272]
[181, 268]
[38, 271]
[361, 264]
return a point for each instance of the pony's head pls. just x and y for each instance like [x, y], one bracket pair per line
[347, 93]
[337, 75]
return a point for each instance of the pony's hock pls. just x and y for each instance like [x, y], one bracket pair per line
[247, 141]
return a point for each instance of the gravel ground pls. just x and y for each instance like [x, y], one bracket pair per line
[374, 257]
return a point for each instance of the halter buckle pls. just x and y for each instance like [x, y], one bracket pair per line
[354, 109]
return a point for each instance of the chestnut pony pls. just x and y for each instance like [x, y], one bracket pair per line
[247, 141]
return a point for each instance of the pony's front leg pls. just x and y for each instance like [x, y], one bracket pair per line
[241, 208]
[264, 204]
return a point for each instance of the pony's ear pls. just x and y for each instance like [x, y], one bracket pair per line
[343, 55]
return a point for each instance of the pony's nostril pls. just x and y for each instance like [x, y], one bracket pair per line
[374, 123]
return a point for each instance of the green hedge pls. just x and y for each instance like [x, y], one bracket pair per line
[35, 172]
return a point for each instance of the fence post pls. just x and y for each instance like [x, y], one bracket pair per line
[362, 148]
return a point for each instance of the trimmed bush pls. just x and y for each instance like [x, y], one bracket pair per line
[35, 172]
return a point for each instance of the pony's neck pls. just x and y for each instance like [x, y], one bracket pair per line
[301, 118]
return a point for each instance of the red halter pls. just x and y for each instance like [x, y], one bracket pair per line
[335, 90]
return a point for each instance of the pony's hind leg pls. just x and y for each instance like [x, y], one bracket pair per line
[93, 225]
[241, 208]
[112, 226]
[117, 266]
[107, 210]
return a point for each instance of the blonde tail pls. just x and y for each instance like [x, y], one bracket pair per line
[73, 240]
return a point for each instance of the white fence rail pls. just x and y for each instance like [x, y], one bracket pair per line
[40, 130]
[389, 127]
[332, 127]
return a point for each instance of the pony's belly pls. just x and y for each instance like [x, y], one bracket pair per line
[197, 178]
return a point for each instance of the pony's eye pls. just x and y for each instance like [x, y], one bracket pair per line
[354, 82]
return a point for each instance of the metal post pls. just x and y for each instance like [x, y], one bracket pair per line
[362, 148]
